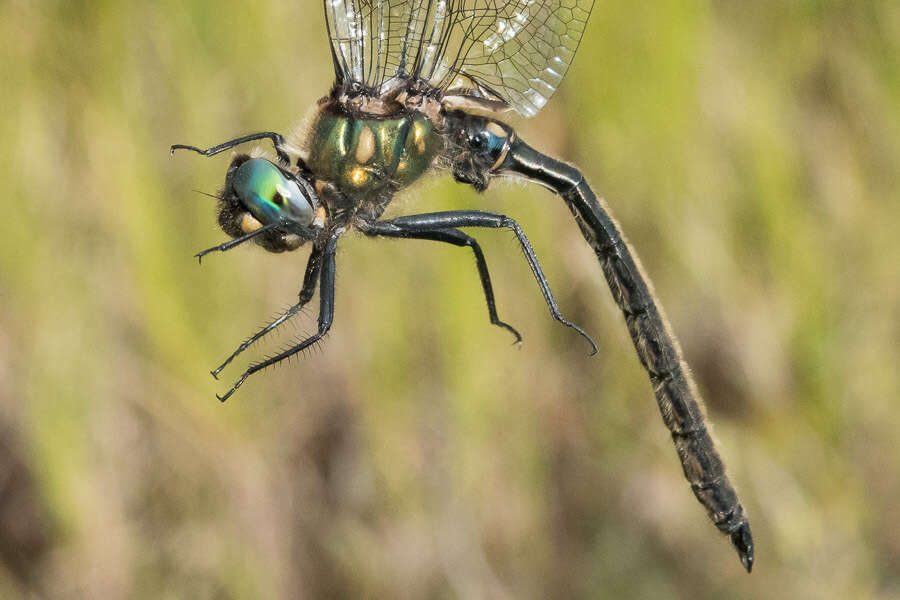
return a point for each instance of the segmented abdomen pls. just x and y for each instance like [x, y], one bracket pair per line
[660, 355]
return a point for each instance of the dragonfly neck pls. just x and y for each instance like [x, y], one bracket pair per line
[524, 161]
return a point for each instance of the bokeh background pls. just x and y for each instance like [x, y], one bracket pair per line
[750, 150]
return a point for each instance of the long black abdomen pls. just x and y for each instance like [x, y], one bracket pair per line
[676, 394]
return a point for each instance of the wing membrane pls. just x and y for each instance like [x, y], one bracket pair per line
[515, 51]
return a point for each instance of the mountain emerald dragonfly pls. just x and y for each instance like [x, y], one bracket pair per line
[419, 87]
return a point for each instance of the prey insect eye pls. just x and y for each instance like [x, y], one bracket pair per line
[271, 196]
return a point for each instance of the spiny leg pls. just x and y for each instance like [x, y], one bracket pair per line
[310, 279]
[277, 141]
[457, 238]
[226, 246]
[326, 317]
[477, 218]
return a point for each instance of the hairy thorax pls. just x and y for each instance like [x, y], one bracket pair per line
[366, 155]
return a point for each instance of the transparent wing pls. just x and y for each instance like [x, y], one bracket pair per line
[514, 51]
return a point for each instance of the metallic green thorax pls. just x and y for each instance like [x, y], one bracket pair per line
[370, 155]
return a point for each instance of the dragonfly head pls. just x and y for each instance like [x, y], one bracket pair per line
[258, 192]
[479, 146]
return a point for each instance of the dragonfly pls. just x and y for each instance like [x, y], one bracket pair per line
[421, 86]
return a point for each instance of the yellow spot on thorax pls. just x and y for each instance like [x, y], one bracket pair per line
[419, 138]
[365, 146]
[358, 176]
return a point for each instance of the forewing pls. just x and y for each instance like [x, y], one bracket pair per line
[515, 51]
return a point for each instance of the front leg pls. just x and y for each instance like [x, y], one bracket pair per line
[457, 238]
[277, 141]
[477, 218]
[310, 279]
[226, 246]
[326, 317]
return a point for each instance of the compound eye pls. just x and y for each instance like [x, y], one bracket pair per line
[479, 141]
[269, 195]
[294, 202]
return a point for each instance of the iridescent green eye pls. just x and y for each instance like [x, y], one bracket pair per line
[270, 196]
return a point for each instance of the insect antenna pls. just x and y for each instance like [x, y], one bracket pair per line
[202, 193]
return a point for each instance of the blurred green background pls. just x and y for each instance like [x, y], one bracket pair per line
[750, 150]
